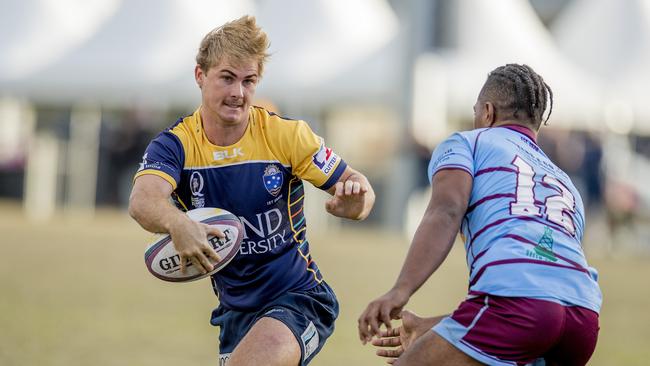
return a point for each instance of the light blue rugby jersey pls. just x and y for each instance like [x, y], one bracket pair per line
[525, 219]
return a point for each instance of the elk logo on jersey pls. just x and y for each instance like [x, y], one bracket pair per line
[272, 179]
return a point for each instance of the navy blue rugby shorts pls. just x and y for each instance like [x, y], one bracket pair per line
[309, 314]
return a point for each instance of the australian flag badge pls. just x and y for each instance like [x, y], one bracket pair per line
[272, 179]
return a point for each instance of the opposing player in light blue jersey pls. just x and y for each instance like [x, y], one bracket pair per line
[532, 296]
[275, 308]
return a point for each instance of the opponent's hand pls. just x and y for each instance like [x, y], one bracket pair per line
[391, 343]
[381, 310]
[349, 199]
[190, 239]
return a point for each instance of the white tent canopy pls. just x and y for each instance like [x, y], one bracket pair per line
[318, 41]
[492, 34]
[36, 33]
[143, 50]
[137, 53]
[611, 39]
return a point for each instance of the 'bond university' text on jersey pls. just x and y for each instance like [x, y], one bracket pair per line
[259, 179]
[525, 219]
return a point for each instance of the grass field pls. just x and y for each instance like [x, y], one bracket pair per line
[76, 292]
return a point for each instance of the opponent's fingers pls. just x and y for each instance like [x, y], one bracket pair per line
[374, 326]
[393, 353]
[364, 332]
[384, 316]
[394, 332]
[386, 342]
[362, 328]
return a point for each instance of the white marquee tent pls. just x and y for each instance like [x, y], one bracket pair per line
[491, 34]
[119, 51]
[611, 39]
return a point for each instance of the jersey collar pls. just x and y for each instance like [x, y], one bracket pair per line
[522, 130]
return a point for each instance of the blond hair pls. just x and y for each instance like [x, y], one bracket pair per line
[239, 41]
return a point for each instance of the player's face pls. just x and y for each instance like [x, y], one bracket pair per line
[227, 90]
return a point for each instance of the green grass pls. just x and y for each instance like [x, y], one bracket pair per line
[75, 292]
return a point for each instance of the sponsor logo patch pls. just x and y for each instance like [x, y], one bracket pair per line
[272, 178]
[155, 165]
[144, 162]
[544, 248]
[325, 159]
[310, 339]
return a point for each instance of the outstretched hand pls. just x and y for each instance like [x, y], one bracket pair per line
[381, 311]
[391, 343]
[349, 200]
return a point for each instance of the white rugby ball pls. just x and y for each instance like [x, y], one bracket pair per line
[163, 261]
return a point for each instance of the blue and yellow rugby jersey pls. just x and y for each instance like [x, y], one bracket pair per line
[259, 179]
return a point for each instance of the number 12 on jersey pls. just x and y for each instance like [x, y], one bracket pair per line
[558, 208]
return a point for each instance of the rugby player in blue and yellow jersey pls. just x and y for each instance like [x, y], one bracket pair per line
[533, 299]
[275, 308]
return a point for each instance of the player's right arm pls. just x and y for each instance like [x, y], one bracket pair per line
[451, 173]
[430, 246]
[150, 206]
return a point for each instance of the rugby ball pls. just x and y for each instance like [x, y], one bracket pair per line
[163, 261]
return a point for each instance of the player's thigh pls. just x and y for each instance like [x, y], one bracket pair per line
[432, 349]
[268, 342]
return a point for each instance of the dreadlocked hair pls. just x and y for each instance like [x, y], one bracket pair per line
[518, 89]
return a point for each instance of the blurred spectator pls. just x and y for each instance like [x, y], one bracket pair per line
[579, 154]
[124, 136]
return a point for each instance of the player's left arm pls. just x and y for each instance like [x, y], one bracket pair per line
[352, 196]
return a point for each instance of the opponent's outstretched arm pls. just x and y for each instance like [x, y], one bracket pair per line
[352, 196]
[430, 246]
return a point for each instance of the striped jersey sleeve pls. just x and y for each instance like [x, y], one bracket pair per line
[163, 157]
[312, 160]
[453, 153]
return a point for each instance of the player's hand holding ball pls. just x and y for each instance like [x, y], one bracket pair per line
[199, 244]
[191, 243]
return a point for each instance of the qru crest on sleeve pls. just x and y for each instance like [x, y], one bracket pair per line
[272, 178]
